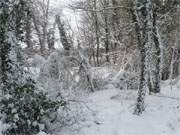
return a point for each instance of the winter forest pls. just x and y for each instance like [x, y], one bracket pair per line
[89, 67]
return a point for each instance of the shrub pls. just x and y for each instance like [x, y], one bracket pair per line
[24, 109]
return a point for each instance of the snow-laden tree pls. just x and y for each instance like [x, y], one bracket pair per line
[63, 72]
[140, 18]
[40, 16]
[66, 76]
[63, 34]
[9, 46]
[153, 52]
[23, 106]
[169, 25]
[145, 17]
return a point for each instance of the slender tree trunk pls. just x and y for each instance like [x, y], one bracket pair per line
[157, 52]
[106, 4]
[96, 32]
[28, 33]
[140, 106]
[45, 25]
[149, 82]
[140, 19]
[63, 35]
[154, 51]
[115, 23]
[39, 34]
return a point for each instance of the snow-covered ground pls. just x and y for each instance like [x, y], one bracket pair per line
[113, 114]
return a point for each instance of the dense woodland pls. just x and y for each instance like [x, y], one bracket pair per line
[48, 67]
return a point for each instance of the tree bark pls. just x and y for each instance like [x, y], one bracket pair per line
[96, 32]
[140, 20]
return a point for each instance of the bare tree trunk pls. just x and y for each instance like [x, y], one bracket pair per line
[140, 106]
[41, 23]
[63, 36]
[157, 52]
[51, 39]
[154, 45]
[106, 4]
[115, 23]
[45, 24]
[28, 33]
[173, 57]
[149, 82]
[96, 32]
[39, 34]
[140, 19]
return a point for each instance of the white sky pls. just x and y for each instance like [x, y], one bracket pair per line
[67, 13]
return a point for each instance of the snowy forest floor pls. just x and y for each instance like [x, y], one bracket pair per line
[112, 114]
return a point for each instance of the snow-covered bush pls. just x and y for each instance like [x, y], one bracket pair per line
[125, 80]
[25, 108]
[105, 77]
[63, 72]
[102, 77]
[65, 77]
[55, 75]
[36, 61]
